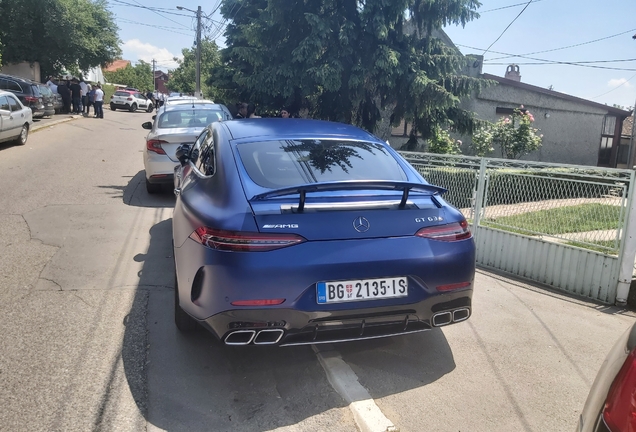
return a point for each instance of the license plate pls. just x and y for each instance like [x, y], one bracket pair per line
[363, 289]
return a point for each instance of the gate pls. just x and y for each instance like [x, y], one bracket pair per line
[560, 225]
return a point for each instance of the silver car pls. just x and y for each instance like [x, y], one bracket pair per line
[15, 119]
[174, 125]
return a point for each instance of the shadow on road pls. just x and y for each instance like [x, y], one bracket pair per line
[190, 382]
[135, 194]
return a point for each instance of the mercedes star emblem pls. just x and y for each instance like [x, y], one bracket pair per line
[361, 224]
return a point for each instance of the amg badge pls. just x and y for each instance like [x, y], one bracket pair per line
[283, 226]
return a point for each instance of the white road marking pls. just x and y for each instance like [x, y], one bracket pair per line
[366, 413]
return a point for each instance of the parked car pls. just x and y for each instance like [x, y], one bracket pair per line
[15, 119]
[130, 100]
[26, 90]
[175, 125]
[610, 405]
[48, 100]
[294, 231]
[183, 99]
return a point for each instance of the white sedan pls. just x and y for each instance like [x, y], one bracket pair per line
[15, 119]
[175, 124]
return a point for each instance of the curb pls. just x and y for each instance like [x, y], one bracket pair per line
[55, 123]
[366, 413]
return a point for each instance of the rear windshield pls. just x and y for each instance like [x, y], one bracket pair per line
[275, 164]
[122, 93]
[189, 118]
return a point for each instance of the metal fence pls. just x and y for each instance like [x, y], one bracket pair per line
[575, 207]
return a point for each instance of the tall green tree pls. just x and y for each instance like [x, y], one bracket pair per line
[59, 34]
[356, 61]
[183, 78]
[138, 76]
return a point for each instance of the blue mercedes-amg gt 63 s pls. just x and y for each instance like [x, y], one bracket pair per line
[292, 231]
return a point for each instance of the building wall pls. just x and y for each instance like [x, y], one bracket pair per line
[571, 131]
[23, 70]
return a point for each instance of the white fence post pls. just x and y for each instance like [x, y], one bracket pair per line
[479, 199]
[628, 249]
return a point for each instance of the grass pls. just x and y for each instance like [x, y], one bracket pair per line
[604, 246]
[561, 220]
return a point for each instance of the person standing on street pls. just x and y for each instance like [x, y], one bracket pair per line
[99, 102]
[76, 95]
[84, 100]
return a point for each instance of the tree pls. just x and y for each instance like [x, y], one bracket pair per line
[514, 135]
[138, 76]
[58, 34]
[352, 61]
[183, 78]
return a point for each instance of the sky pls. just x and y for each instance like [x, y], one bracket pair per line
[593, 33]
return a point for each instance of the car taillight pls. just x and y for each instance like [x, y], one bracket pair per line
[450, 232]
[619, 413]
[30, 99]
[155, 146]
[129, 99]
[237, 241]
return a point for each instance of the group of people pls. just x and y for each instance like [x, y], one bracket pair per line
[248, 110]
[78, 96]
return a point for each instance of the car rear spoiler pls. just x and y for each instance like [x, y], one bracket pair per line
[302, 190]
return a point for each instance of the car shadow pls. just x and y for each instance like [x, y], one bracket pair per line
[135, 194]
[185, 382]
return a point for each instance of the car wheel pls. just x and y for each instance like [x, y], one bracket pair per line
[112, 107]
[24, 135]
[133, 107]
[150, 108]
[152, 188]
[183, 321]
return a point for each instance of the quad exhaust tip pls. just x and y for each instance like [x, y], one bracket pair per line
[246, 337]
[449, 317]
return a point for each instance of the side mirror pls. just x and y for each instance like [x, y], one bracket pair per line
[147, 125]
[183, 153]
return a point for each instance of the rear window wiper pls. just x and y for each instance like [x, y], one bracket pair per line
[302, 190]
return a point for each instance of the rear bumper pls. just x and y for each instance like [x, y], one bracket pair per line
[288, 327]
[120, 106]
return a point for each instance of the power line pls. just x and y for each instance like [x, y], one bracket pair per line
[511, 22]
[506, 7]
[569, 46]
[618, 86]
[545, 61]
[573, 62]
[139, 5]
[162, 28]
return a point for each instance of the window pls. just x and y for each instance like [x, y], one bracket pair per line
[607, 141]
[4, 104]
[13, 86]
[275, 164]
[15, 105]
[207, 162]
[189, 118]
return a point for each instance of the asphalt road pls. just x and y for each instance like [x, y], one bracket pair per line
[87, 340]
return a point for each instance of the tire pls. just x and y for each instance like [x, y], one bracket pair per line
[112, 107]
[184, 322]
[153, 188]
[133, 107]
[150, 108]
[24, 135]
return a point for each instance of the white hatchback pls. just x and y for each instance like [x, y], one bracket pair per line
[15, 119]
[174, 125]
[131, 101]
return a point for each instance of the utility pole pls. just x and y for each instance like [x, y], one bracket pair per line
[198, 70]
[197, 87]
